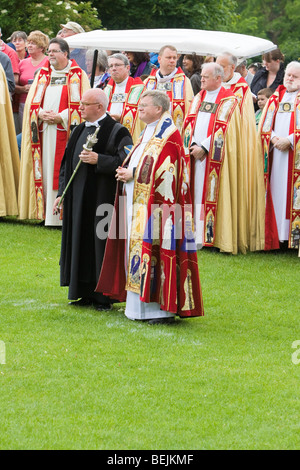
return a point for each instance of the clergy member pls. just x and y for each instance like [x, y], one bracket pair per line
[51, 110]
[9, 155]
[89, 197]
[123, 94]
[250, 185]
[279, 142]
[212, 139]
[172, 80]
[155, 266]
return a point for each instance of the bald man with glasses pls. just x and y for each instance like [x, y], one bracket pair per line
[87, 203]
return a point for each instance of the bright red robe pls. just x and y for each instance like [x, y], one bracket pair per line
[293, 182]
[158, 269]
[31, 190]
[220, 212]
[129, 117]
[179, 91]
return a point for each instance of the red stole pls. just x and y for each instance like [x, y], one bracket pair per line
[239, 89]
[293, 182]
[133, 90]
[70, 98]
[177, 94]
[217, 129]
[160, 268]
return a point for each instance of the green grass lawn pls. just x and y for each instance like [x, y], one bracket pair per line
[75, 378]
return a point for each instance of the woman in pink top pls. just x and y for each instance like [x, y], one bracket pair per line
[37, 44]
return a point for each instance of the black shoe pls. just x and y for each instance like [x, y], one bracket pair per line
[81, 302]
[161, 321]
[102, 307]
[284, 246]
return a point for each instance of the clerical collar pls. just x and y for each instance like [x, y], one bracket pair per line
[213, 92]
[95, 123]
[234, 79]
[122, 84]
[153, 124]
[165, 78]
[149, 131]
[63, 71]
[292, 92]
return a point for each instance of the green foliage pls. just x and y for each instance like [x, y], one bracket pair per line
[247, 25]
[136, 14]
[291, 49]
[253, 17]
[259, 18]
[277, 21]
[12, 17]
[46, 16]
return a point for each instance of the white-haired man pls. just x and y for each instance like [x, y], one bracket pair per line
[89, 197]
[279, 142]
[161, 274]
[250, 187]
[212, 139]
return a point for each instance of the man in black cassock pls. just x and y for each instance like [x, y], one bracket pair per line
[82, 249]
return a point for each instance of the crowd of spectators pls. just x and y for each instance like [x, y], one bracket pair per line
[26, 53]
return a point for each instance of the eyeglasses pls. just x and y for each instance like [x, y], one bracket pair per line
[54, 51]
[144, 105]
[115, 65]
[82, 103]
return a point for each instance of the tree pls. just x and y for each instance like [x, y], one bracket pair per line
[137, 14]
[46, 16]
[276, 20]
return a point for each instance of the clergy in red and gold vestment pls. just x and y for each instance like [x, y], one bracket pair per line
[9, 155]
[123, 94]
[211, 138]
[250, 185]
[51, 109]
[172, 80]
[154, 267]
[279, 143]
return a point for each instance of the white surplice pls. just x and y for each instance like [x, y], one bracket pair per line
[51, 102]
[200, 138]
[117, 108]
[279, 172]
[135, 308]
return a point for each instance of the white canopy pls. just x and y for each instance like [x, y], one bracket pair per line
[186, 41]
